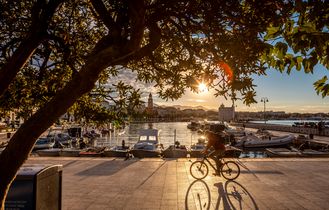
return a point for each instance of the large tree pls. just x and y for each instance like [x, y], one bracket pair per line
[171, 44]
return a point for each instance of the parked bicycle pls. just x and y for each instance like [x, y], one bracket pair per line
[230, 170]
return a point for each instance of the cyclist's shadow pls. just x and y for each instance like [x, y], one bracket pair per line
[231, 194]
[235, 196]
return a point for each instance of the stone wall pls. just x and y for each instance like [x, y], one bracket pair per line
[285, 128]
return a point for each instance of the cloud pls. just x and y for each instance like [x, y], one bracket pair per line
[130, 78]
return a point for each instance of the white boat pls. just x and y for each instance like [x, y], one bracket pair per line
[148, 144]
[236, 132]
[252, 141]
[193, 125]
[44, 143]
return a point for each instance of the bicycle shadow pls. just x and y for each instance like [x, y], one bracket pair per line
[231, 195]
[236, 196]
[198, 196]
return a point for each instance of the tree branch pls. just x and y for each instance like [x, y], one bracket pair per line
[105, 17]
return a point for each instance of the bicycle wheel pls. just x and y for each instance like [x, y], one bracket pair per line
[199, 170]
[230, 170]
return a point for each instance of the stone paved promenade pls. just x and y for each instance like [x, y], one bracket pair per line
[109, 183]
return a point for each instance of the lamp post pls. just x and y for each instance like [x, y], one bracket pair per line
[264, 100]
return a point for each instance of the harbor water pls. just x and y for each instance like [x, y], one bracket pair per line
[169, 133]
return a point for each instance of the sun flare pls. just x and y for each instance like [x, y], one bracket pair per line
[203, 88]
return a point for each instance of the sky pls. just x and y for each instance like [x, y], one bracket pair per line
[288, 93]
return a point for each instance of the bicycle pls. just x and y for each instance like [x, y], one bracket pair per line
[230, 170]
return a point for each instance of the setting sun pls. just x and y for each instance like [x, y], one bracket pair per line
[203, 88]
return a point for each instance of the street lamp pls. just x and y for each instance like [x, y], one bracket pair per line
[264, 100]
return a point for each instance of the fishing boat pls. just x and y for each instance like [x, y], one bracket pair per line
[252, 141]
[148, 144]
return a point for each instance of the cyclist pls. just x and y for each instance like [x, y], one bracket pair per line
[215, 141]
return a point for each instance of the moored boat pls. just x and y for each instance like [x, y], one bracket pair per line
[92, 152]
[282, 152]
[148, 144]
[69, 152]
[231, 151]
[193, 125]
[53, 152]
[175, 151]
[293, 152]
[116, 151]
[44, 143]
[197, 148]
[314, 153]
[252, 142]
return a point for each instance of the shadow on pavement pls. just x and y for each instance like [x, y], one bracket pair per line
[106, 168]
[238, 196]
[232, 195]
[198, 196]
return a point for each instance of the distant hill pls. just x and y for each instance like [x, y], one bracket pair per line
[181, 107]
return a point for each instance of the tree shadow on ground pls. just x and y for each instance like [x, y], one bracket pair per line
[107, 168]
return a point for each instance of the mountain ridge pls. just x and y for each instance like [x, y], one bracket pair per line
[182, 107]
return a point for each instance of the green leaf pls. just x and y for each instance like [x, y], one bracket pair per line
[272, 32]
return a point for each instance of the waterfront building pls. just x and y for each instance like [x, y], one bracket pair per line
[150, 103]
[226, 113]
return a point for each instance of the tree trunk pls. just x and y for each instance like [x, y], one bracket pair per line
[24, 139]
[17, 61]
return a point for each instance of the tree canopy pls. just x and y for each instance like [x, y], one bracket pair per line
[53, 52]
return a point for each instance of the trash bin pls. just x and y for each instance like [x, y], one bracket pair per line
[8, 135]
[36, 187]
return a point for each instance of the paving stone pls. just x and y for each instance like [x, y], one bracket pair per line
[108, 183]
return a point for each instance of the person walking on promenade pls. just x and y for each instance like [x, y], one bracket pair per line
[215, 141]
